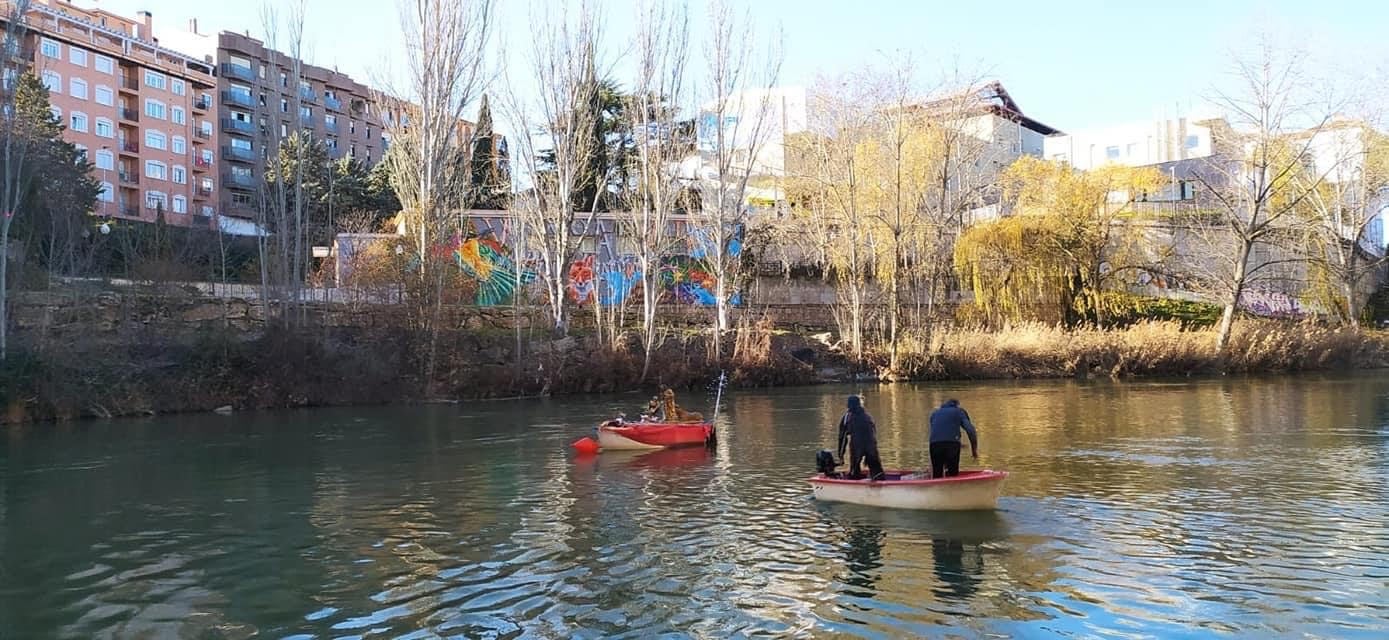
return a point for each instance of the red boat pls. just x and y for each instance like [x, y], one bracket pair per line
[654, 435]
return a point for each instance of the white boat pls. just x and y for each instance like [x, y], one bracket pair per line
[971, 490]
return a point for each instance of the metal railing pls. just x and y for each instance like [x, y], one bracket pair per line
[232, 124]
[237, 71]
[234, 153]
[237, 98]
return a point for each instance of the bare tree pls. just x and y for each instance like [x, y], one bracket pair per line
[18, 176]
[661, 50]
[447, 68]
[1261, 188]
[825, 180]
[738, 123]
[275, 208]
[557, 145]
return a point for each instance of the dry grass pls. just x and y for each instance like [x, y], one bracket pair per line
[1147, 348]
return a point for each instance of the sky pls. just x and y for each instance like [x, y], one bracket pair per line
[1070, 64]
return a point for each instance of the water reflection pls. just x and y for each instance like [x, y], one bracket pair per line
[863, 555]
[1166, 509]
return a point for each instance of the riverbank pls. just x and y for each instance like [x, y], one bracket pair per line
[154, 373]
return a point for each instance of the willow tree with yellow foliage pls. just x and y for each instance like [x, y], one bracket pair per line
[1071, 238]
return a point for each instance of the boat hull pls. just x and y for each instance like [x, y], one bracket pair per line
[647, 436]
[969, 491]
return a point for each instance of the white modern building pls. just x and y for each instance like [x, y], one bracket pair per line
[1134, 144]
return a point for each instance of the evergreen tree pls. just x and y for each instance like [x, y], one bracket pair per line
[489, 181]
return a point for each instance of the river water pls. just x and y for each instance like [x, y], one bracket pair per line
[1249, 508]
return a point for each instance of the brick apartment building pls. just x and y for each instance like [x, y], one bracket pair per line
[142, 113]
[189, 133]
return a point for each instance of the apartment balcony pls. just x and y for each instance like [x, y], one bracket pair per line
[240, 181]
[202, 193]
[308, 94]
[330, 127]
[201, 164]
[242, 155]
[203, 103]
[229, 70]
[130, 115]
[130, 147]
[236, 98]
[306, 121]
[332, 103]
[202, 135]
[130, 177]
[237, 126]
[130, 84]
[129, 210]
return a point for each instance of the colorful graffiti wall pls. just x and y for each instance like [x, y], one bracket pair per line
[684, 278]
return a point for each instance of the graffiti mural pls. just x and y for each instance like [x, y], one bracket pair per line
[1272, 304]
[685, 278]
[486, 260]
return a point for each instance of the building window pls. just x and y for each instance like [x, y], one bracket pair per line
[284, 130]
[240, 143]
[105, 160]
[207, 184]
[105, 96]
[207, 157]
[77, 88]
[1188, 190]
[331, 143]
[177, 116]
[154, 139]
[156, 199]
[177, 87]
[108, 192]
[206, 128]
[156, 170]
[352, 126]
[207, 210]
[1133, 150]
[57, 112]
[104, 64]
[154, 109]
[77, 56]
[284, 105]
[241, 199]
[53, 81]
[154, 79]
[105, 128]
[1192, 142]
[352, 150]
[180, 204]
[1111, 153]
[180, 175]
[330, 120]
[79, 122]
[51, 48]
[81, 152]
[284, 79]
[178, 145]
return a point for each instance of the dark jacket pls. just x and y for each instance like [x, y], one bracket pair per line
[857, 425]
[948, 420]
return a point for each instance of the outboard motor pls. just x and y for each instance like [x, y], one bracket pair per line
[824, 463]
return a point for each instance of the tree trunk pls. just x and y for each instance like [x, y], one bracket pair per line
[5, 286]
[1227, 319]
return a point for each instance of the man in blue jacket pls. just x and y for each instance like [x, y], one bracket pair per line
[946, 423]
[856, 429]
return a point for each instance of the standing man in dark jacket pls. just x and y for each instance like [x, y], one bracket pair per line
[857, 430]
[946, 423]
